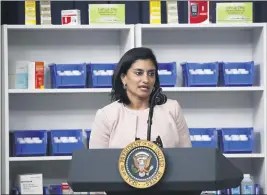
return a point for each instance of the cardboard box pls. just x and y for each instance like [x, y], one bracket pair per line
[172, 12]
[70, 17]
[198, 12]
[36, 75]
[30, 12]
[45, 12]
[30, 184]
[237, 12]
[155, 11]
[106, 13]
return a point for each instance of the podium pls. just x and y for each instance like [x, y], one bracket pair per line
[188, 171]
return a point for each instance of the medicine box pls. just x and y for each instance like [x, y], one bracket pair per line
[18, 75]
[155, 12]
[45, 12]
[198, 12]
[30, 184]
[172, 12]
[70, 17]
[30, 12]
[36, 75]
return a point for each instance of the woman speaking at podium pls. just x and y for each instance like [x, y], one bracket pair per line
[123, 121]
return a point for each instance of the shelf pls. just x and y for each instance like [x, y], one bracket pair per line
[62, 158]
[70, 27]
[260, 155]
[213, 107]
[107, 90]
[201, 26]
[53, 44]
[41, 158]
[243, 107]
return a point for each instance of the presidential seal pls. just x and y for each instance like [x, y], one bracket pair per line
[142, 164]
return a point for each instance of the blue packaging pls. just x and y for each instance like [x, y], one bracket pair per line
[21, 81]
[225, 192]
[257, 189]
[248, 189]
[236, 191]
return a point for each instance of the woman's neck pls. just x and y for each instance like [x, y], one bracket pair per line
[138, 104]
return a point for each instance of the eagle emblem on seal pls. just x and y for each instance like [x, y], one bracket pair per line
[141, 165]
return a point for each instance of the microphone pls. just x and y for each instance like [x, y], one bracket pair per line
[157, 99]
[160, 99]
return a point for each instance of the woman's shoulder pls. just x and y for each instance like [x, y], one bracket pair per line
[111, 107]
[171, 105]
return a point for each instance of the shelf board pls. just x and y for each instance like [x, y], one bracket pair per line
[40, 158]
[146, 26]
[253, 155]
[199, 26]
[69, 27]
[59, 158]
[107, 90]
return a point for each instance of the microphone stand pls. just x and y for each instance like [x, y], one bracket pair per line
[150, 116]
[149, 121]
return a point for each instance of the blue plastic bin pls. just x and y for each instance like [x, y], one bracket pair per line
[237, 145]
[101, 75]
[63, 142]
[68, 75]
[167, 74]
[16, 191]
[200, 74]
[238, 73]
[198, 136]
[33, 147]
[55, 189]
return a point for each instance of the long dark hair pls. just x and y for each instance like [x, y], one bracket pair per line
[118, 92]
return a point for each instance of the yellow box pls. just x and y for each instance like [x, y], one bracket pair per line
[30, 12]
[155, 11]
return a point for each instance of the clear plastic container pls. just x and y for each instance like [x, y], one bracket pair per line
[247, 185]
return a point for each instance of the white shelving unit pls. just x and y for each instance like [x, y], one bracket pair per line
[1, 168]
[228, 107]
[30, 109]
[76, 108]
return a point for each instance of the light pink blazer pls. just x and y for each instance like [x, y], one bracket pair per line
[116, 127]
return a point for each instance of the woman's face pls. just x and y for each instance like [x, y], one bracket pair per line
[140, 79]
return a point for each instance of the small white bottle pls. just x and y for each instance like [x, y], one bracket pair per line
[247, 185]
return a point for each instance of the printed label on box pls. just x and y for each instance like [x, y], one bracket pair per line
[198, 12]
[70, 17]
[234, 12]
[106, 13]
[39, 75]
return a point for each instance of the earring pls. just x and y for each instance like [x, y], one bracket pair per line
[125, 86]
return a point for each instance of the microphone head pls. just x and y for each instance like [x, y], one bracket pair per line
[160, 97]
